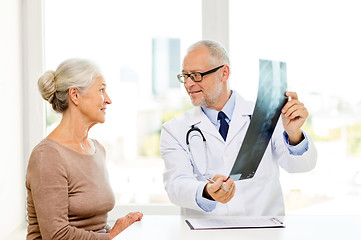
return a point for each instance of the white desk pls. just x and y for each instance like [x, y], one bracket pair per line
[173, 227]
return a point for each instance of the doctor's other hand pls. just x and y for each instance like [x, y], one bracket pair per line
[218, 194]
[294, 115]
[124, 222]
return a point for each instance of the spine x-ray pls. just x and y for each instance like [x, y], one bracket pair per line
[270, 100]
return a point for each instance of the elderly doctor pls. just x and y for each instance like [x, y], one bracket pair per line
[194, 146]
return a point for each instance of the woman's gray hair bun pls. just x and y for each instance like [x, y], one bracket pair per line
[74, 72]
[46, 85]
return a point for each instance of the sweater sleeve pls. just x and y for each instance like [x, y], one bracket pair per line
[48, 185]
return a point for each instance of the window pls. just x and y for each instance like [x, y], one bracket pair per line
[320, 43]
[138, 45]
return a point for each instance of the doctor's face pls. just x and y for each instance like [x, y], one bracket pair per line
[207, 92]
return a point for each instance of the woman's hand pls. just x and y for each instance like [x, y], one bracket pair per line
[124, 222]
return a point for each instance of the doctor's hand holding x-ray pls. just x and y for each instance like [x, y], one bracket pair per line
[216, 192]
[294, 115]
[195, 149]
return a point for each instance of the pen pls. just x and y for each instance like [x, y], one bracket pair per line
[212, 181]
[276, 220]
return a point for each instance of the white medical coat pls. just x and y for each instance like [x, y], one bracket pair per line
[258, 196]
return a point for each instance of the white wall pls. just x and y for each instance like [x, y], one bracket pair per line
[12, 197]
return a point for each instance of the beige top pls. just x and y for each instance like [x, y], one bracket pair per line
[68, 193]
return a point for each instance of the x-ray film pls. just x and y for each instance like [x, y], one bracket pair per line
[270, 100]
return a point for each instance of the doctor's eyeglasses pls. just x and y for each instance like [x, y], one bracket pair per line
[196, 76]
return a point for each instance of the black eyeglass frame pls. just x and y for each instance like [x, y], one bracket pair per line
[191, 75]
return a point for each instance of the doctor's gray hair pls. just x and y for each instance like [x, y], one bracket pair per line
[218, 54]
[54, 85]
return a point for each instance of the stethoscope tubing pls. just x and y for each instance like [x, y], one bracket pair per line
[193, 128]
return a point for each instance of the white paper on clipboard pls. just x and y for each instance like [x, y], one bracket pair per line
[234, 223]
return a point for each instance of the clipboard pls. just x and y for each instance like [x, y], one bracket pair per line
[270, 100]
[239, 223]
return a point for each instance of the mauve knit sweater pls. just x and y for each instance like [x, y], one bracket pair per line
[68, 193]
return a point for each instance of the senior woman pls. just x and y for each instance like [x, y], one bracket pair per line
[68, 190]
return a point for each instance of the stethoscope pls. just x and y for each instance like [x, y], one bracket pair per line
[196, 129]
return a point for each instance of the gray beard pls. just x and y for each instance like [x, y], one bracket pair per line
[209, 99]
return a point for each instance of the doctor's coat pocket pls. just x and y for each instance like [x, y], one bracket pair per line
[198, 154]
